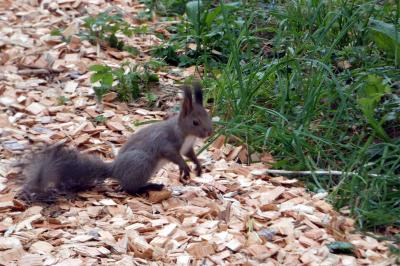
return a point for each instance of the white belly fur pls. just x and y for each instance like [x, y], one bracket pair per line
[187, 144]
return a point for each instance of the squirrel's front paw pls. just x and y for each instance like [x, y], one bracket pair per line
[199, 171]
[184, 174]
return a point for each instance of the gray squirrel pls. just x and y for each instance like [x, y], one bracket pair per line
[57, 169]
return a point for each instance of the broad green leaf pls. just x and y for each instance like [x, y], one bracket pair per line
[56, 32]
[341, 247]
[386, 37]
[119, 72]
[212, 15]
[107, 79]
[100, 91]
[368, 99]
[192, 10]
[100, 118]
[153, 77]
[99, 68]
[113, 41]
[374, 87]
[217, 11]
[96, 77]
[127, 32]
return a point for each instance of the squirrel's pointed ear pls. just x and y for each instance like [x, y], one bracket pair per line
[187, 104]
[198, 94]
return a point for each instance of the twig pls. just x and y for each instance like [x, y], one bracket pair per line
[168, 22]
[317, 172]
[33, 71]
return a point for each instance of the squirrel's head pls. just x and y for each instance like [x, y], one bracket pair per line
[193, 117]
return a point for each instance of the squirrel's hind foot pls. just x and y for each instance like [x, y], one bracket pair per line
[146, 188]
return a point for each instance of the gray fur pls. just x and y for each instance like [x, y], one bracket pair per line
[58, 169]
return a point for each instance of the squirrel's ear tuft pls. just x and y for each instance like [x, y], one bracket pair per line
[187, 104]
[198, 94]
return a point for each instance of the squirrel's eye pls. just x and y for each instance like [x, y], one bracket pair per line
[195, 122]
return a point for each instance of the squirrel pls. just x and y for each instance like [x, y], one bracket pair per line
[57, 169]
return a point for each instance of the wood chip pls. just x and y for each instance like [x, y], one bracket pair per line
[234, 245]
[35, 108]
[70, 86]
[234, 214]
[159, 196]
[41, 247]
[200, 250]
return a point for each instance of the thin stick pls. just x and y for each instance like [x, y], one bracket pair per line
[317, 172]
[33, 71]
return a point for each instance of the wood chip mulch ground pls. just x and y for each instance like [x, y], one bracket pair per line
[232, 215]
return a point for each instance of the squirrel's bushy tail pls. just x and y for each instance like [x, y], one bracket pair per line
[58, 170]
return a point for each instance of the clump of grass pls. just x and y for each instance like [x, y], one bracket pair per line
[202, 37]
[62, 100]
[321, 94]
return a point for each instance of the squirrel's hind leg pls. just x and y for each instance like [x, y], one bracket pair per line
[150, 187]
[133, 169]
[144, 189]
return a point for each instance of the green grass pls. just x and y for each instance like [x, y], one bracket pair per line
[317, 84]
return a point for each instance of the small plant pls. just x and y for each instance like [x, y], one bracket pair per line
[168, 53]
[56, 32]
[128, 81]
[155, 65]
[145, 15]
[386, 37]
[151, 98]
[104, 76]
[369, 98]
[62, 100]
[101, 119]
[204, 37]
[104, 27]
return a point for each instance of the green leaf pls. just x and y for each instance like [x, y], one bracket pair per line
[107, 79]
[386, 37]
[100, 91]
[193, 8]
[341, 247]
[130, 49]
[374, 88]
[127, 32]
[99, 68]
[89, 22]
[368, 99]
[56, 32]
[152, 77]
[113, 41]
[100, 119]
[151, 97]
[217, 11]
[120, 72]
[212, 15]
[96, 77]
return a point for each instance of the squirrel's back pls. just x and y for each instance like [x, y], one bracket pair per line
[150, 138]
